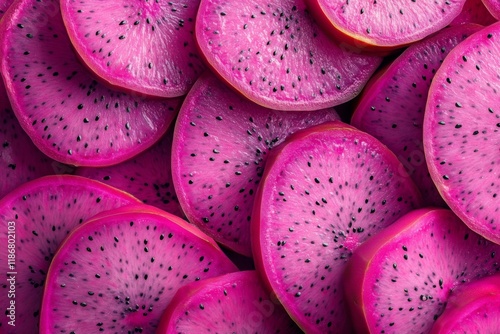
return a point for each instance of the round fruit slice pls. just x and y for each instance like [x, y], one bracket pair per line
[118, 272]
[399, 281]
[462, 131]
[35, 218]
[324, 192]
[146, 46]
[275, 54]
[69, 115]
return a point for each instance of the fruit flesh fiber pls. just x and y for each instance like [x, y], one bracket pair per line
[277, 56]
[44, 212]
[392, 106]
[461, 131]
[131, 264]
[152, 49]
[76, 120]
[221, 143]
[325, 192]
[400, 280]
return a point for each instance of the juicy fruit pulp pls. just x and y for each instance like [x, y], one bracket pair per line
[43, 212]
[231, 303]
[119, 271]
[221, 143]
[324, 192]
[275, 54]
[145, 46]
[462, 131]
[399, 281]
[76, 120]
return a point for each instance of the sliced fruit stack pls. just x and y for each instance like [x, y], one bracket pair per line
[279, 166]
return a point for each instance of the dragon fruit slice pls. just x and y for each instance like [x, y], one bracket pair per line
[474, 11]
[472, 308]
[76, 120]
[324, 192]
[461, 131]
[118, 272]
[220, 147]
[147, 46]
[392, 107]
[232, 303]
[41, 213]
[399, 280]
[274, 53]
[493, 7]
[147, 176]
[383, 26]
[20, 160]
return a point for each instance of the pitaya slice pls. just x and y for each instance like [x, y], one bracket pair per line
[384, 25]
[146, 46]
[474, 11]
[69, 115]
[399, 280]
[20, 160]
[147, 176]
[41, 213]
[493, 7]
[220, 147]
[472, 308]
[274, 53]
[462, 131]
[118, 272]
[392, 107]
[324, 191]
[232, 303]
